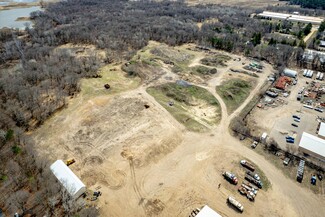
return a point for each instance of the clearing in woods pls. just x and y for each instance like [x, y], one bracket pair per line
[193, 106]
[145, 161]
[234, 92]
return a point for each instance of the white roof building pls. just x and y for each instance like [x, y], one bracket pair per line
[291, 17]
[290, 73]
[321, 131]
[313, 146]
[68, 179]
[207, 212]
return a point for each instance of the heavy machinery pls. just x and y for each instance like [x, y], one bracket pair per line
[248, 165]
[300, 171]
[254, 181]
[70, 161]
[255, 175]
[235, 203]
[243, 191]
[230, 177]
[250, 188]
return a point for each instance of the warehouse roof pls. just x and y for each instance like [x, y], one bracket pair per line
[282, 82]
[321, 131]
[67, 178]
[207, 212]
[291, 17]
[312, 144]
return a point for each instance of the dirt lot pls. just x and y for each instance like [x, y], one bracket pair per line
[147, 164]
[277, 121]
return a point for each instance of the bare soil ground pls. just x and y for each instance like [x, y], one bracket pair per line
[147, 164]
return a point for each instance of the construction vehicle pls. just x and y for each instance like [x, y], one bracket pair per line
[235, 203]
[230, 177]
[251, 179]
[70, 161]
[250, 185]
[250, 188]
[243, 191]
[300, 171]
[256, 176]
[248, 165]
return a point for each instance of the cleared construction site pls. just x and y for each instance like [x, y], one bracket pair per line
[134, 143]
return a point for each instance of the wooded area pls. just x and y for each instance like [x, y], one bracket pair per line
[315, 4]
[36, 79]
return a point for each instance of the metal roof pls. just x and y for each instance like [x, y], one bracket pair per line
[312, 144]
[292, 17]
[207, 212]
[67, 178]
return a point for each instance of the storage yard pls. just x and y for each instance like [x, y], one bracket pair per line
[139, 155]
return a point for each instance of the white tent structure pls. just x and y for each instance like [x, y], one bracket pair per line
[68, 179]
[207, 212]
[313, 146]
[290, 73]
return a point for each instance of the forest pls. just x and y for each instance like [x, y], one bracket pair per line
[314, 4]
[36, 79]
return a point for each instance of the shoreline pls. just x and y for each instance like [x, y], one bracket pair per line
[19, 5]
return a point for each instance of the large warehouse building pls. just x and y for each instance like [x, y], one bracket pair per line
[312, 146]
[291, 17]
[68, 179]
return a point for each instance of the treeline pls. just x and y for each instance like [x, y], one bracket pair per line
[314, 4]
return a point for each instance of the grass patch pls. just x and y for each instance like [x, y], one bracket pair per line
[234, 92]
[186, 99]
[16, 149]
[118, 80]
[202, 70]
[216, 60]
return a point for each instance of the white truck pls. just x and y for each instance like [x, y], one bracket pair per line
[235, 203]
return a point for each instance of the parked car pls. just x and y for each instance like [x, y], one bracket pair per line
[290, 141]
[286, 161]
[295, 116]
[254, 144]
[295, 125]
[296, 120]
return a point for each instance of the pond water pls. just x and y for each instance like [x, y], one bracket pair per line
[8, 17]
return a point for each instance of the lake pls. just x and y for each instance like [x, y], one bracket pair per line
[8, 17]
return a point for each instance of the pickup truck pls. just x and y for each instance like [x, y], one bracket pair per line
[254, 144]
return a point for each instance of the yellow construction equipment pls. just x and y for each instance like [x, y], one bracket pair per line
[70, 161]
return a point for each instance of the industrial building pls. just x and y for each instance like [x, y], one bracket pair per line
[68, 179]
[207, 212]
[309, 56]
[291, 17]
[312, 146]
[282, 82]
[290, 73]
